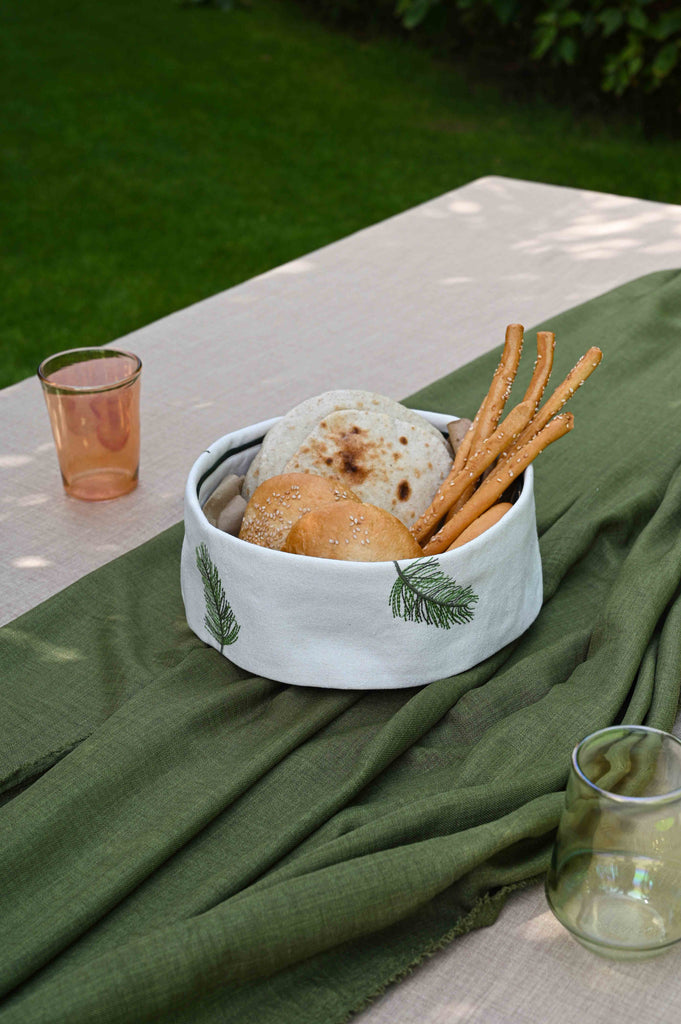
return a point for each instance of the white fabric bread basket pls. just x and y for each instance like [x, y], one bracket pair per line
[354, 625]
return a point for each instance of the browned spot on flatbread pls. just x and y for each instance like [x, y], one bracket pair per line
[403, 490]
[403, 440]
[354, 453]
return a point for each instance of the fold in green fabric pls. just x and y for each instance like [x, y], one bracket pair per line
[181, 841]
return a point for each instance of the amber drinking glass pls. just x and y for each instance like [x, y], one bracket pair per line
[615, 875]
[92, 397]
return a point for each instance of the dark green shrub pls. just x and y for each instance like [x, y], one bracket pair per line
[636, 44]
[590, 53]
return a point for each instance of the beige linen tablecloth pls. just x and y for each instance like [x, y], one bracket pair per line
[388, 309]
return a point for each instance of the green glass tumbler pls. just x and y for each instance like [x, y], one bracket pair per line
[615, 875]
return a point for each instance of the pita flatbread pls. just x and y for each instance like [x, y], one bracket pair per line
[286, 436]
[387, 462]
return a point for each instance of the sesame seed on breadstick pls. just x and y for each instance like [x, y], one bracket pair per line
[565, 390]
[494, 486]
[458, 481]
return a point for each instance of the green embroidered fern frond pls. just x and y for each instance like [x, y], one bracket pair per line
[219, 619]
[422, 592]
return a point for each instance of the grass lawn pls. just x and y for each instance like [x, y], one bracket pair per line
[153, 155]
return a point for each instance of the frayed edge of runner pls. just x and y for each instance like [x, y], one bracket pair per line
[475, 918]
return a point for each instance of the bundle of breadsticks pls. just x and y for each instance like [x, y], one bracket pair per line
[494, 452]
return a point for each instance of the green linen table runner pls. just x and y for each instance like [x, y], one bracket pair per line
[183, 842]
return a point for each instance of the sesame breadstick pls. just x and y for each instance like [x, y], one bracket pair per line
[546, 341]
[460, 480]
[489, 413]
[462, 452]
[460, 460]
[460, 503]
[575, 378]
[494, 486]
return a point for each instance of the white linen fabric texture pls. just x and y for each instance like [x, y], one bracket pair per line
[327, 623]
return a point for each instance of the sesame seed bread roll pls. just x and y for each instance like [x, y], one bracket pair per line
[278, 502]
[352, 533]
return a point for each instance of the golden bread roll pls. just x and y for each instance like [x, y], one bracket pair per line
[278, 502]
[352, 533]
[482, 523]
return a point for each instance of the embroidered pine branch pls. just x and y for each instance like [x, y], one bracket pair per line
[219, 619]
[422, 592]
